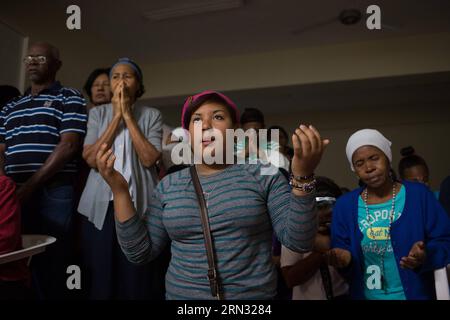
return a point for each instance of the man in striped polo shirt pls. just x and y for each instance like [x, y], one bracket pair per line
[41, 136]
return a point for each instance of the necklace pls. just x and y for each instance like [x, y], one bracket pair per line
[391, 218]
[206, 195]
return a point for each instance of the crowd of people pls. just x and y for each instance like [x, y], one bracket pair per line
[99, 177]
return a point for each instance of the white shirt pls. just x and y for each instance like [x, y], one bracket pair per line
[313, 288]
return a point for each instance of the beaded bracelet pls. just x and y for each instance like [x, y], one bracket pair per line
[307, 187]
[303, 178]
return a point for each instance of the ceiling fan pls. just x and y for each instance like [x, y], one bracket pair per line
[346, 17]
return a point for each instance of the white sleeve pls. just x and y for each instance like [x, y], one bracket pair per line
[289, 257]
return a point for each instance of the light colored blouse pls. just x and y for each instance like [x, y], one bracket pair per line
[97, 194]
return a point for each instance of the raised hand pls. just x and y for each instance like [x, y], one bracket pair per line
[105, 165]
[416, 256]
[116, 99]
[308, 150]
[125, 101]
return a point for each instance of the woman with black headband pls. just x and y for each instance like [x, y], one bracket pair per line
[134, 133]
[387, 236]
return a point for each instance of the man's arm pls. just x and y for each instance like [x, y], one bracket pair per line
[2, 158]
[64, 152]
[303, 270]
[2, 142]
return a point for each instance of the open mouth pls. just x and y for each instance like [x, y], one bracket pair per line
[206, 141]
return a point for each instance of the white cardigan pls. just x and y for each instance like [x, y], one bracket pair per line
[97, 194]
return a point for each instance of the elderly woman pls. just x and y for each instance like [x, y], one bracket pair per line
[387, 236]
[240, 207]
[134, 133]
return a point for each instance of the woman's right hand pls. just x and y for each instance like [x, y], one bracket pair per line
[105, 165]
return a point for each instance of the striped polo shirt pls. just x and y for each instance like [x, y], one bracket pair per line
[244, 208]
[31, 127]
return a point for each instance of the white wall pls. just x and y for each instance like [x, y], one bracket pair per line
[425, 127]
[11, 55]
[362, 60]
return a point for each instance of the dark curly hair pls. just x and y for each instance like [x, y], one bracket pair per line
[325, 187]
[252, 115]
[410, 159]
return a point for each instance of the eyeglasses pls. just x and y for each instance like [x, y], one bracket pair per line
[39, 59]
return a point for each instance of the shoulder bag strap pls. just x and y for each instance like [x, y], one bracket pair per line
[212, 269]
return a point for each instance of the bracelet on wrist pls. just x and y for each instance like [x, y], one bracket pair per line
[307, 187]
[303, 178]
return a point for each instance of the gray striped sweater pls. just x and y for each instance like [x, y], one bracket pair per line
[244, 207]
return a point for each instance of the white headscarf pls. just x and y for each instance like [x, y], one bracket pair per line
[367, 137]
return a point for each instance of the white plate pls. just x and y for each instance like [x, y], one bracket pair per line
[32, 244]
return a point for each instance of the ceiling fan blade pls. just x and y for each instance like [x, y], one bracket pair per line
[314, 26]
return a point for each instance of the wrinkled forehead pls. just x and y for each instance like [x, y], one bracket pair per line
[366, 151]
[43, 49]
[39, 50]
[123, 69]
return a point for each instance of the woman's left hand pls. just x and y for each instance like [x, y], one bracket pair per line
[416, 256]
[308, 150]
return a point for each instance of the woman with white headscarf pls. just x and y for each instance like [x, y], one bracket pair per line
[387, 237]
